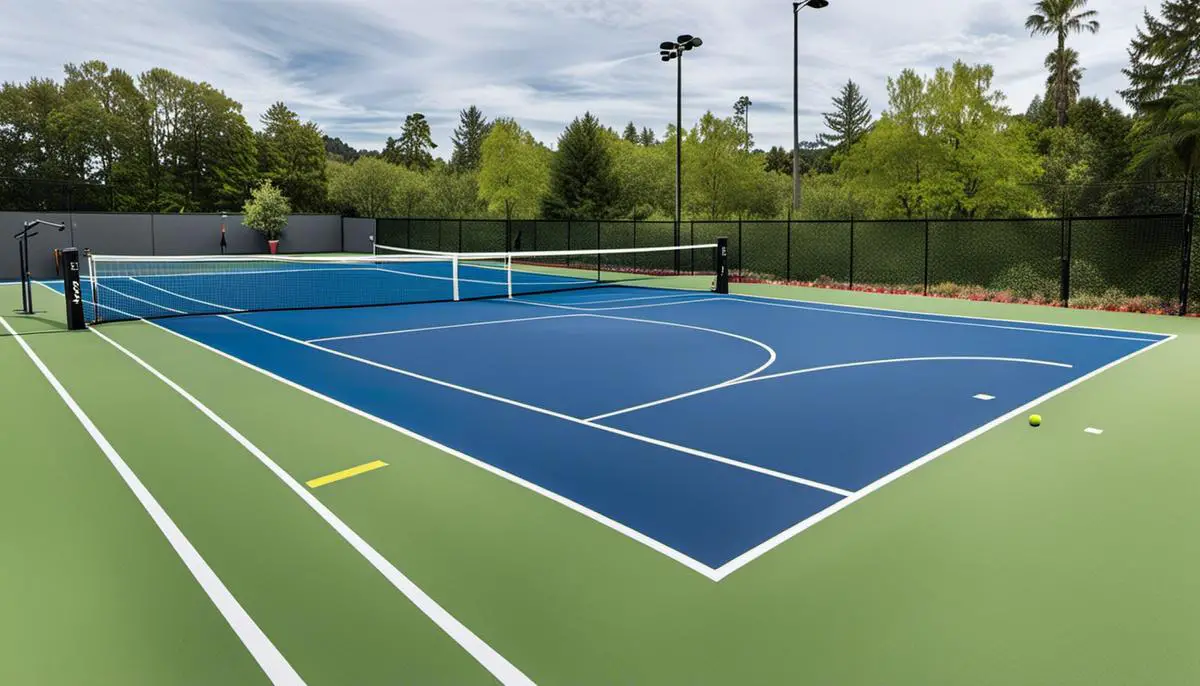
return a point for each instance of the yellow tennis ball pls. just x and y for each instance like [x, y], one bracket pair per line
[1035, 420]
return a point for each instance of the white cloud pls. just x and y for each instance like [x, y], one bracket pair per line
[358, 67]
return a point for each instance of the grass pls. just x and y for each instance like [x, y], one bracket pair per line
[1045, 556]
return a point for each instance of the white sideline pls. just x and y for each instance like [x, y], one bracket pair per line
[758, 551]
[551, 413]
[824, 368]
[268, 657]
[491, 660]
[572, 308]
[184, 297]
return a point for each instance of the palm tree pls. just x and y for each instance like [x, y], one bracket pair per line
[1074, 73]
[1059, 18]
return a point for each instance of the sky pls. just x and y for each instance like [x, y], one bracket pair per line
[358, 67]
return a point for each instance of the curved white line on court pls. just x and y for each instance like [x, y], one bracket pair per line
[771, 355]
[826, 368]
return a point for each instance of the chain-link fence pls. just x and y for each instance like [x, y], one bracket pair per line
[1122, 263]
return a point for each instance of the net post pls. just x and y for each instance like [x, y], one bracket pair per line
[1186, 256]
[508, 269]
[722, 285]
[454, 275]
[72, 289]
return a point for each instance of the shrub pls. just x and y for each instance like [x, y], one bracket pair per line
[267, 211]
[1086, 278]
[1024, 281]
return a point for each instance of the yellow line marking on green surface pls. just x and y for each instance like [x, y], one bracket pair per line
[346, 474]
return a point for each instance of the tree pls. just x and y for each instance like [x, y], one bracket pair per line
[1170, 134]
[849, 120]
[337, 149]
[1165, 52]
[720, 174]
[369, 187]
[645, 177]
[416, 142]
[946, 147]
[514, 174]
[267, 211]
[741, 114]
[1060, 18]
[647, 137]
[1068, 62]
[778, 160]
[631, 133]
[468, 140]
[292, 155]
[583, 184]
[453, 194]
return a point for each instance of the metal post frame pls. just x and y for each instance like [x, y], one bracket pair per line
[1189, 222]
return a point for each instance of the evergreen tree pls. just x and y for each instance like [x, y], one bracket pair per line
[778, 160]
[848, 121]
[468, 139]
[292, 155]
[741, 116]
[1165, 52]
[416, 142]
[583, 183]
[631, 133]
[647, 137]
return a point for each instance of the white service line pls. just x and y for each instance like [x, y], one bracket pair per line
[441, 328]
[268, 657]
[494, 662]
[681, 294]
[758, 551]
[755, 300]
[551, 413]
[184, 297]
[824, 368]
[134, 297]
[613, 309]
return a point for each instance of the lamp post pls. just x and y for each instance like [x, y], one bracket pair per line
[673, 50]
[796, 7]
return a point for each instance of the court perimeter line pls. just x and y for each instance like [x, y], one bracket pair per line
[680, 294]
[131, 297]
[551, 413]
[633, 534]
[758, 551]
[268, 657]
[832, 307]
[492, 661]
[825, 368]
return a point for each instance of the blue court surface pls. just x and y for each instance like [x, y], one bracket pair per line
[708, 427]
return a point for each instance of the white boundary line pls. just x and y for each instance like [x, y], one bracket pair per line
[551, 413]
[829, 367]
[131, 297]
[268, 657]
[697, 295]
[572, 308]
[439, 328]
[494, 662]
[634, 534]
[184, 297]
[784, 536]
[742, 296]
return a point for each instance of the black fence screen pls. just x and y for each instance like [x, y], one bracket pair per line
[1133, 263]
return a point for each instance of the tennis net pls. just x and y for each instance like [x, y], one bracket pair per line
[141, 287]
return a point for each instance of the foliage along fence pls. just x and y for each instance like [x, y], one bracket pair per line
[1137, 264]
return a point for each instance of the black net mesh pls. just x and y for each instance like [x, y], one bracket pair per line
[820, 252]
[890, 254]
[1021, 256]
[764, 251]
[1128, 261]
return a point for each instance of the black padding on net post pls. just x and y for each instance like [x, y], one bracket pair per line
[722, 285]
[69, 263]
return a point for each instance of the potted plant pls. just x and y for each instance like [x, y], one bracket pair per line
[267, 212]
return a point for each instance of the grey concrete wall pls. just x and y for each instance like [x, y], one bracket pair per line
[41, 247]
[359, 234]
[158, 234]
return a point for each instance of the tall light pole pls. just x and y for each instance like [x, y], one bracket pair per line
[673, 50]
[796, 7]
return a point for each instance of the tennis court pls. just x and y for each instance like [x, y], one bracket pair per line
[578, 469]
